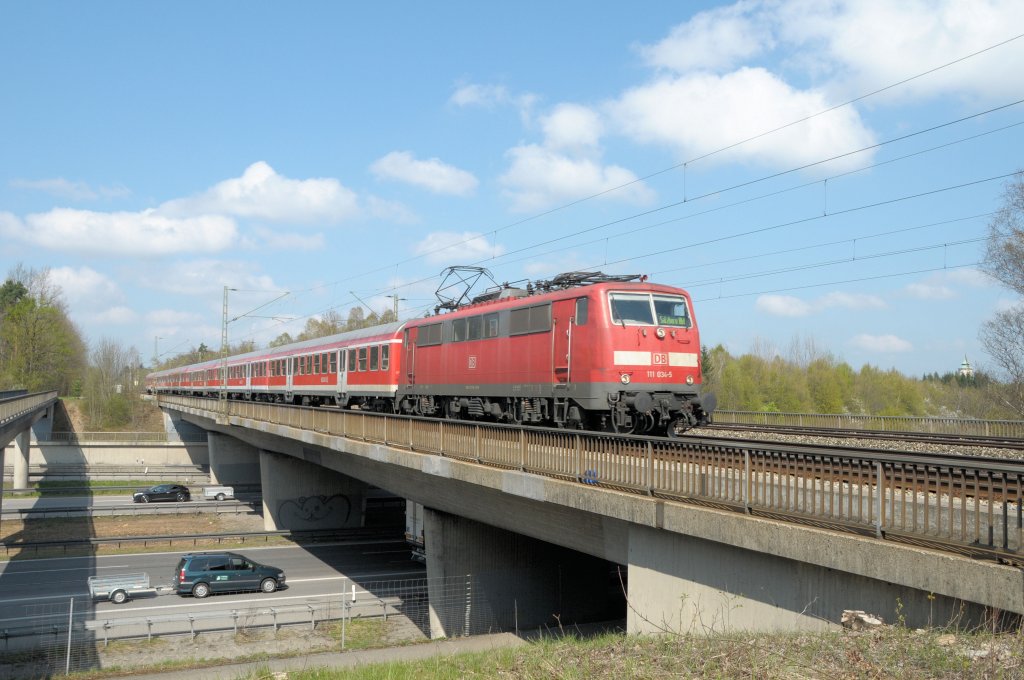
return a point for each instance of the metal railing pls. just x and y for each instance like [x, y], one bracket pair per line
[124, 438]
[930, 425]
[967, 505]
[15, 407]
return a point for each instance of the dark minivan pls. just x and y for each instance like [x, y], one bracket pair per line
[221, 572]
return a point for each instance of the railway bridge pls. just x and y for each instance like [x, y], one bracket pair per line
[700, 535]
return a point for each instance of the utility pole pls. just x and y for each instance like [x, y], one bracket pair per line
[156, 351]
[222, 411]
[395, 299]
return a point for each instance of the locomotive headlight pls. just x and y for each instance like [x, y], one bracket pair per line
[624, 378]
[689, 380]
[660, 333]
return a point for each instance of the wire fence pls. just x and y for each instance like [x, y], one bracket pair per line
[82, 635]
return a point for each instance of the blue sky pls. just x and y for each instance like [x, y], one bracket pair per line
[152, 153]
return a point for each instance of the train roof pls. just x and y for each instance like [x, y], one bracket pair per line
[291, 348]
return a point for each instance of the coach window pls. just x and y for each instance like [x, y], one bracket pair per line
[362, 358]
[429, 335]
[316, 364]
[384, 351]
[582, 308]
[476, 327]
[459, 332]
[374, 357]
[491, 325]
[334, 362]
[351, 360]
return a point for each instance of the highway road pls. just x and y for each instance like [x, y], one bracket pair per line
[27, 586]
[103, 502]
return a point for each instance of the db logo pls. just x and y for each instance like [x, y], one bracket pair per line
[472, 362]
[660, 359]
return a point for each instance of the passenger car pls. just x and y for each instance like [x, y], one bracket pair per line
[222, 572]
[162, 492]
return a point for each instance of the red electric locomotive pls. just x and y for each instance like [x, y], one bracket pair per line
[582, 350]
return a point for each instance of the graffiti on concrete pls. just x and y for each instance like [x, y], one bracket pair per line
[319, 511]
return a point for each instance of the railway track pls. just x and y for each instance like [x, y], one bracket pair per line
[939, 439]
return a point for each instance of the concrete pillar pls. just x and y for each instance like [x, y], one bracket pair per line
[174, 425]
[299, 495]
[23, 444]
[232, 461]
[43, 428]
[684, 585]
[483, 579]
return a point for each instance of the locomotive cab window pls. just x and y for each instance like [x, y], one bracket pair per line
[644, 309]
[671, 310]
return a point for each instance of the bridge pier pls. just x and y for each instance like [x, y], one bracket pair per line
[232, 461]
[515, 581]
[23, 446]
[681, 584]
[298, 495]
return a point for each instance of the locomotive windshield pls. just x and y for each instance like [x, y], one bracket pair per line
[645, 309]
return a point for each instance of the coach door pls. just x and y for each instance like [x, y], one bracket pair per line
[561, 341]
[410, 355]
[342, 372]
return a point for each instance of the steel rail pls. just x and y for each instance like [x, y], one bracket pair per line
[963, 504]
[849, 433]
[929, 424]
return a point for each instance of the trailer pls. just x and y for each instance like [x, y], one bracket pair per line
[219, 493]
[118, 588]
[414, 530]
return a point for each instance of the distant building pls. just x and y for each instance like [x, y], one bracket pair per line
[965, 369]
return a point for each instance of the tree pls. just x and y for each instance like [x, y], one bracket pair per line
[1004, 253]
[111, 396]
[40, 347]
[1002, 337]
[281, 340]
[1003, 340]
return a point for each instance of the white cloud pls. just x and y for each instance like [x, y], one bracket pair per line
[431, 174]
[493, 96]
[572, 127]
[277, 240]
[850, 301]
[702, 112]
[869, 44]
[167, 317]
[119, 316]
[205, 277]
[77, 191]
[948, 284]
[930, 291]
[121, 233]
[540, 177]
[713, 40]
[783, 305]
[789, 306]
[453, 248]
[881, 343]
[393, 211]
[261, 193]
[85, 288]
